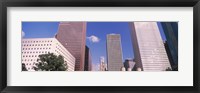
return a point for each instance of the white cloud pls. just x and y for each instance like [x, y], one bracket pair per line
[93, 39]
[23, 34]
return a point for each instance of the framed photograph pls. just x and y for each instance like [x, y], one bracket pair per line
[99, 46]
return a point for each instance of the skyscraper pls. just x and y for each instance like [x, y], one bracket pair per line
[114, 52]
[171, 33]
[88, 60]
[72, 36]
[149, 50]
[102, 64]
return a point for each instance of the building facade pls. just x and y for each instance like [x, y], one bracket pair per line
[72, 36]
[149, 50]
[171, 33]
[114, 52]
[33, 47]
[88, 60]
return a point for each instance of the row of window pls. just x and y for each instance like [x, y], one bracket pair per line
[29, 60]
[35, 48]
[30, 63]
[36, 52]
[36, 41]
[36, 44]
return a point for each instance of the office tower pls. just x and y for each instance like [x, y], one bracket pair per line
[171, 33]
[114, 52]
[33, 47]
[129, 64]
[72, 36]
[102, 64]
[88, 60]
[149, 50]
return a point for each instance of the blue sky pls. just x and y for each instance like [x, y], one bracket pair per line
[99, 30]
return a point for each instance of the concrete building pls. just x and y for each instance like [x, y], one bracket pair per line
[149, 50]
[129, 64]
[88, 60]
[114, 52]
[72, 36]
[33, 47]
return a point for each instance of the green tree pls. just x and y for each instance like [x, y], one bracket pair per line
[50, 62]
[24, 67]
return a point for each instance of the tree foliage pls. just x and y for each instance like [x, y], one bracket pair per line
[50, 62]
[24, 67]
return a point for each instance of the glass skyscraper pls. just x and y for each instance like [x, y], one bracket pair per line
[171, 33]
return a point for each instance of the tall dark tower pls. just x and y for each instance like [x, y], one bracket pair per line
[171, 33]
[88, 59]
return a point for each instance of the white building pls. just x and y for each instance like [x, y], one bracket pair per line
[33, 47]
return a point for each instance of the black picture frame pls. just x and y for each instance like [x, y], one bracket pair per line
[98, 3]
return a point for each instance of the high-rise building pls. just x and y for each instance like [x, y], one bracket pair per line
[103, 66]
[88, 59]
[129, 64]
[149, 50]
[114, 52]
[33, 47]
[171, 33]
[72, 36]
